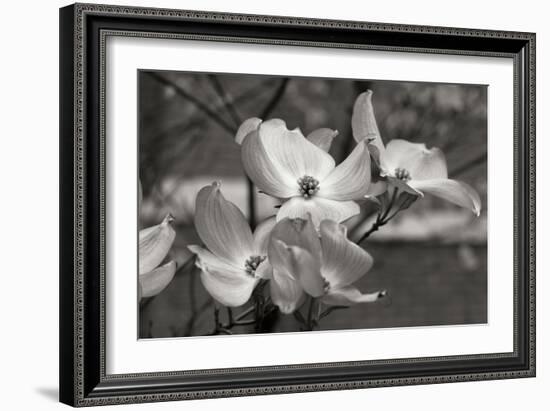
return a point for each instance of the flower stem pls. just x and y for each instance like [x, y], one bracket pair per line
[381, 219]
[259, 312]
[377, 224]
[251, 204]
[385, 216]
[229, 315]
[311, 318]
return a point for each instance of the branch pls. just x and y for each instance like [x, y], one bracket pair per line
[384, 217]
[225, 98]
[251, 203]
[275, 99]
[477, 160]
[198, 103]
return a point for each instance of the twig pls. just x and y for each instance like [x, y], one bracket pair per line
[310, 311]
[479, 159]
[186, 126]
[198, 103]
[331, 309]
[298, 315]
[383, 218]
[246, 312]
[229, 315]
[251, 203]
[238, 320]
[245, 322]
[377, 224]
[275, 98]
[225, 98]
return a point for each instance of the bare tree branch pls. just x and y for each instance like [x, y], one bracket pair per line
[468, 164]
[225, 98]
[275, 99]
[198, 103]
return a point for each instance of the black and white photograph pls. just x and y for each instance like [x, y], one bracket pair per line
[271, 204]
[259, 204]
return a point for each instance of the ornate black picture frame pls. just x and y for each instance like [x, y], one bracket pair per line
[83, 30]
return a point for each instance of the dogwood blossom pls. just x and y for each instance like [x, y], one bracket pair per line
[235, 259]
[410, 167]
[325, 266]
[299, 171]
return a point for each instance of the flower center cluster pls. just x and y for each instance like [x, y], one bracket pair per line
[326, 285]
[252, 264]
[308, 186]
[402, 174]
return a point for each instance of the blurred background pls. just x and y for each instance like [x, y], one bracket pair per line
[431, 258]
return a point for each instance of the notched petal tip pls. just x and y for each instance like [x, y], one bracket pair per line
[322, 138]
[206, 191]
[194, 248]
[350, 295]
[363, 121]
[168, 219]
[247, 127]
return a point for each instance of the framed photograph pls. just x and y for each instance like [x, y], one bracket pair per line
[260, 204]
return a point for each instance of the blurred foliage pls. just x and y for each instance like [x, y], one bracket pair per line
[187, 126]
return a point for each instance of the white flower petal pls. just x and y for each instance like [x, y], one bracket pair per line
[422, 163]
[298, 263]
[363, 121]
[266, 174]
[286, 292]
[291, 152]
[454, 191]
[262, 235]
[246, 127]
[346, 296]
[298, 232]
[322, 138]
[154, 244]
[226, 283]
[319, 208]
[402, 185]
[153, 282]
[222, 226]
[374, 153]
[228, 289]
[264, 270]
[351, 179]
[344, 262]
[377, 188]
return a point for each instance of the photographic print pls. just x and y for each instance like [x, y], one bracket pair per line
[271, 204]
[377, 194]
